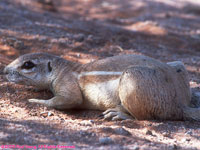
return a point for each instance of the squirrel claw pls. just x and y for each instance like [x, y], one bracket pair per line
[100, 116]
[114, 115]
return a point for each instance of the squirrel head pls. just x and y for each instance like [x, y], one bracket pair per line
[31, 69]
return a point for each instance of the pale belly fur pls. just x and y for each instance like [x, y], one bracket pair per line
[101, 95]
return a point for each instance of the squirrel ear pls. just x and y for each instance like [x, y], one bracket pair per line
[49, 66]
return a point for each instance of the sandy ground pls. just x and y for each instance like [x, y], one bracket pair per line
[83, 31]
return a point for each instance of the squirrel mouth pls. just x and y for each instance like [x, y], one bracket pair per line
[15, 77]
[11, 78]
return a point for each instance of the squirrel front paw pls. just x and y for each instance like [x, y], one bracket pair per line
[34, 100]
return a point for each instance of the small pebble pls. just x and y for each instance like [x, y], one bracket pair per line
[91, 121]
[132, 147]
[46, 114]
[19, 45]
[166, 134]
[136, 148]
[79, 37]
[105, 140]
[43, 39]
[107, 129]
[188, 139]
[189, 132]
[50, 114]
[148, 132]
[185, 140]
[122, 131]
[82, 132]
[175, 146]
[90, 37]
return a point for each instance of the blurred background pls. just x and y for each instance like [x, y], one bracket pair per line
[85, 30]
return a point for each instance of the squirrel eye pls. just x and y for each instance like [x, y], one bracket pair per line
[28, 65]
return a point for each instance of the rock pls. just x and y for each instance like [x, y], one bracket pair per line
[50, 114]
[193, 9]
[79, 37]
[91, 121]
[166, 134]
[122, 131]
[188, 139]
[105, 140]
[136, 148]
[90, 37]
[43, 39]
[85, 123]
[185, 140]
[148, 132]
[46, 114]
[197, 94]
[82, 133]
[175, 147]
[107, 129]
[132, 147]
[189, 132]
[19, 45]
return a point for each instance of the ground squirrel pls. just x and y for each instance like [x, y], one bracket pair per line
[125, 86]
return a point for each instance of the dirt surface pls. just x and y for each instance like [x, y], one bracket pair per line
[83, 31]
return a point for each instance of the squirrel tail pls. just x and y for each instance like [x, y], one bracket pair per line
[195, 97]
[191, 113]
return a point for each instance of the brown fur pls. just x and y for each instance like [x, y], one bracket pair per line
[128, 84]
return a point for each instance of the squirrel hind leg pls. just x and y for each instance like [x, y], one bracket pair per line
[135, 92]
[150, 93]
